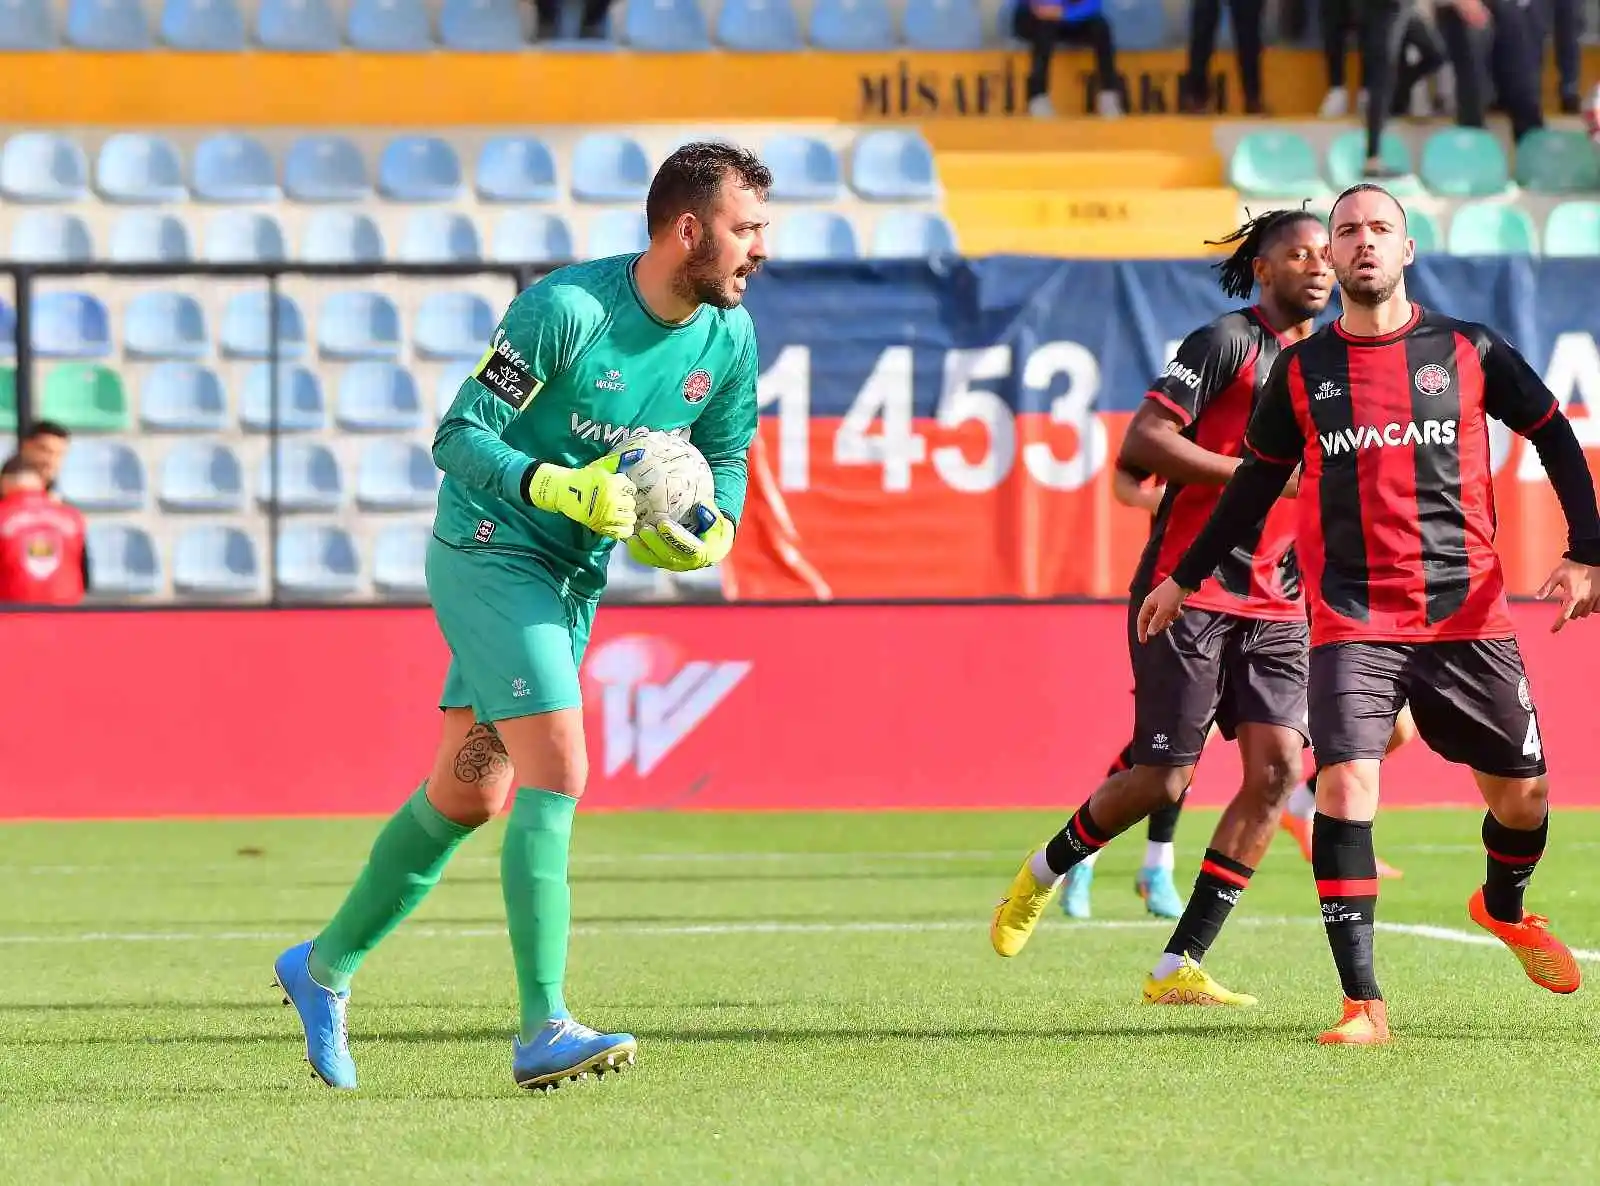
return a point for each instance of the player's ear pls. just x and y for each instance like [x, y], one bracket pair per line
[688, 230]
[1410, 256]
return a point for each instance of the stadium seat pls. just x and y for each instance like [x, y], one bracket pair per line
[103, 475]
[912, 234]
[672, 26]
[516, 169]
[86, 397]
[149, 236]
[852, 25]
[446, 388]
[943, 24]
[341, 237]
[232, 168]
[1424, 229]
[399, 559]
[1492, 228]
[27, 25]
[629, 581]
[215, 561]
[755, 26]
[1464, 163]
[182, 397]
[1552, 162]
[891, 165]
[243, 237]
[379, 397]
[8, 331]
[1276, 165]
[482, 26]
[814, 235]
[300, 403]
[201, 476]
[325, 169]
[246, 327]
[607, 167]
[359, 325]
[50, 236]
[164, 325]
[139, 169]
[107, 24]
[1573, 229]
[453, 325]
[419, 169]
[439, 237]
[1137, 25]
[298, 25]
[8, 410]
[389, 26]
[43, 167]
[531, 237]
[804, 169]
[316, 560]
[123, 561]
[307, 478]
[617, 232]
[205, 26]
[1347, 157]
[396, 476]
[70, 325]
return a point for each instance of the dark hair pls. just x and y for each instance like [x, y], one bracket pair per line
[16, 465]
[689, 180]
[1368, 187]
[47, 428]
[1236, 274]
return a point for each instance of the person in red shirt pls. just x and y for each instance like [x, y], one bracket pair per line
[43, 559]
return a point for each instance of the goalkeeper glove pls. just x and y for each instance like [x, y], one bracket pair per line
[596, 496]
[667, 545]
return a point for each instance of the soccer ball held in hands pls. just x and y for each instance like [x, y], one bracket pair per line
[670, 479]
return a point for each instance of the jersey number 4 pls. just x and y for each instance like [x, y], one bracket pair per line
[1530, 744]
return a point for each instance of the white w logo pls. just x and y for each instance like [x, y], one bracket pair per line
[643, 723]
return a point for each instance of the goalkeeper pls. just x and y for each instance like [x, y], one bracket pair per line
[535, 455]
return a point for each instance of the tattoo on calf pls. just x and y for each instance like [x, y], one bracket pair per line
[481, 758]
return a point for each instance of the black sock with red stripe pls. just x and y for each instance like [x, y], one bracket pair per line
[1512, 856]
[1347, 883]
[1164, 823]
[1216, 892]
[1123, 761]
[1081, 838]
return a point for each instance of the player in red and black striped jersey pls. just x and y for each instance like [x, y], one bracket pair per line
[1386, 414]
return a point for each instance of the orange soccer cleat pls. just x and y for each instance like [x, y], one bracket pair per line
[1544, 958]
[1365, 1023]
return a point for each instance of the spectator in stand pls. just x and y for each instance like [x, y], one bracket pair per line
[1194, 90]
[1044, 24]
[1565, 29]
[591, 26]
[1495, 43]
[1420, 54]
[44, 448]
[43, 556]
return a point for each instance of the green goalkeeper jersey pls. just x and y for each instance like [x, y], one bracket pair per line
[578, 364]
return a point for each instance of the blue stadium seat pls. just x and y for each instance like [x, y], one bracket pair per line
[107, 24]
[453, 325]
[149, 236]
[1145, 25]
[70, 325]
[398, 560]
[341, 237]
[8, 332]
[446, 387]
[246, 327]
[205, 26]
[139, 169]
[617, 232]
[439, 237]
[804, 169]
[50, 236]
[531, 237]
[182, 397]
[852, 25]
[27, 25]
[325, 169]
[672, 26]
[607, 167]
[516, 169]
[201, 476]
[629, 581]
[103, 475]
[214, 561]
[419, 169]
[944, 24]
[912, 234]
[244, 237]
[43, 167]
[755, 26]
[316, 561]
[164, 325]
[308, 477]
[300, 404]
[814, 235]
[893, 166]
[482, 26]
[389, 26]
[396, 476]
[297, 25]
[379, 397]
[123, 560]
[359, 325]
[233, 168]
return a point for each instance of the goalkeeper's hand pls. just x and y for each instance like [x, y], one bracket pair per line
[671, 547]
[597, 495]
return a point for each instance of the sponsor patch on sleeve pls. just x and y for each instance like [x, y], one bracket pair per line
[506, 377]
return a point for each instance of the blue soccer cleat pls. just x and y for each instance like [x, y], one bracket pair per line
[565, 1049]
[1154, 885]
[321, 1013]
[1075, 893]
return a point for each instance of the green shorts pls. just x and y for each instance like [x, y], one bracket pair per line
[516, 637]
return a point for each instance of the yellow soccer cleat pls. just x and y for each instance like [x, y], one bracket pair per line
[1016, 914]
[1190, 984]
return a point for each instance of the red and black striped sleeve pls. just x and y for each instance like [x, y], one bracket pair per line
[1206, 363]
[1274, 433]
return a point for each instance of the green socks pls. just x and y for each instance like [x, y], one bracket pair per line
[407, 859]
[533, 877]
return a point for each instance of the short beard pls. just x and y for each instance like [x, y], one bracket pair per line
[699, 281]
[1367, 296]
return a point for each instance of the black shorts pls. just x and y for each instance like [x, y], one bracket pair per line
[1213, 667]
[1470, 700]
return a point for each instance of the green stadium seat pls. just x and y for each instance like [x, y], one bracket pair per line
[85, 397]
[1276, 165]
[1573, 228]
[1492, 228]
[8, 401]
[1550, 162]
[1464, 163]
[1348, 154]
[1424, 229]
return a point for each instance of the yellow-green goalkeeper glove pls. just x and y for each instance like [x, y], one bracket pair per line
[597, 495]
[667, 545]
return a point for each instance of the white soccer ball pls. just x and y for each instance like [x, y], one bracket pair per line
[671, 477]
